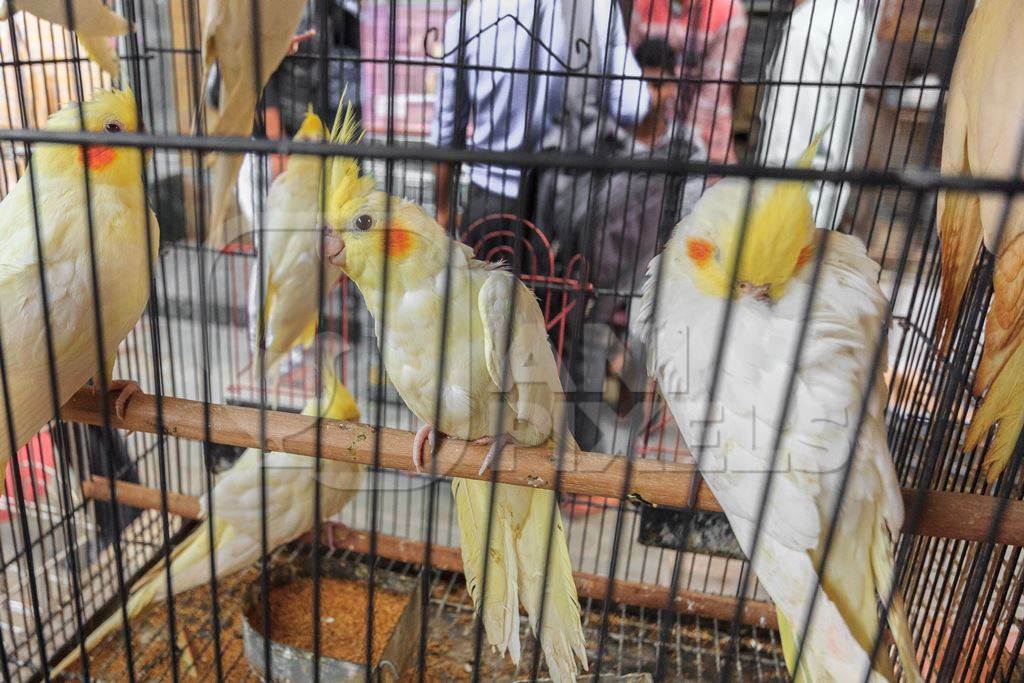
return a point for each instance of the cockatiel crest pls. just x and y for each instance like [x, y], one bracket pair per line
[344, 183]
[778, 240]
[367, 222]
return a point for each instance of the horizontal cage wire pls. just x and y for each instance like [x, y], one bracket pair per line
[333, 344]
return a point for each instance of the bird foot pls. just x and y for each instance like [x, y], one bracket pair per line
[497, 445]
[125, 388]
[426, 434]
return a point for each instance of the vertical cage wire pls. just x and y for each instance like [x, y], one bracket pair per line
[71, 551]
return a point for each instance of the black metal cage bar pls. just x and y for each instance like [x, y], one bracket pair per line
[210, 530]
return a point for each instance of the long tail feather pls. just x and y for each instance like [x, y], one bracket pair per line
[904, 642]
[789, 647]
[561, 635]
[1003, 405]
[882, 563]
[500, 608]
[515, 572]
[960, 234]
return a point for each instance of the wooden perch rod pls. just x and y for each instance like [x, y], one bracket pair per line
[721, 607]
[962, 516]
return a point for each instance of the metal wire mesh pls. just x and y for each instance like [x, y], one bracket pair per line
[76, 536]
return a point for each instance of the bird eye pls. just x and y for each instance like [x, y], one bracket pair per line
[112, 127]
[364, 222]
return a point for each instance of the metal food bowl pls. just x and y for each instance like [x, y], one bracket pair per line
[295, 665]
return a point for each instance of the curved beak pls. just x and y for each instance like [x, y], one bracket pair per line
[333, 247]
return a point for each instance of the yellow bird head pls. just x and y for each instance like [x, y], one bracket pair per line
[336, 403]
[365, 226]
[311, 129]
[106, 111]
[778, 241]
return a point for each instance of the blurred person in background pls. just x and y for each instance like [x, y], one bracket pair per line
[507, 109]
[638, 210]
[630, 215]
[709, 36]
[821, 58]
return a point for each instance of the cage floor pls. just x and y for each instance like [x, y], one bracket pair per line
[696, 647]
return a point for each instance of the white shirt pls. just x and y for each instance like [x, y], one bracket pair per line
[835, 36]
[499, 37]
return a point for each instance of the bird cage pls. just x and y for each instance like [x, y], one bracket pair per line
[105, 497]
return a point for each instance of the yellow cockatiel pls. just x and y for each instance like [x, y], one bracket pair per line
[984, 130]
[94, 23]
[228, 30]
[123, 256]
[417, 250]
[684, 303]
[238, 509]
[290, 250]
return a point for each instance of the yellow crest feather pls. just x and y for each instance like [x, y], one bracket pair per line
[781, 229]
[343, 180]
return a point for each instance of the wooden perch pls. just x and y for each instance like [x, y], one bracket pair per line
[963, 516]
[755, 612]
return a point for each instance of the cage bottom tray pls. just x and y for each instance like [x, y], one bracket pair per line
[695, 650]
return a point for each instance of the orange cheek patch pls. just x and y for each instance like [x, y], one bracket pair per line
[399, 242]
[700, 251]
[97, 158]
[805, 255]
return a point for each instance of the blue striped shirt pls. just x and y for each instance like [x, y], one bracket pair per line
[497, 55]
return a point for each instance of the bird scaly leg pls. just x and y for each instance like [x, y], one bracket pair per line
[425, 434]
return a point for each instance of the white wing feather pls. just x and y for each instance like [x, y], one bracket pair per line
[534, 390]
[735, 447]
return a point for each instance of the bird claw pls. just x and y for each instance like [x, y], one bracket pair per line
[497, 446]
[125, 388]
[425, 434]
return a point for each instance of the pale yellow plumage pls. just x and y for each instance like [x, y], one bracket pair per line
[227, 41]
[94, 23]
[291, 260]
[832, 375]
[124, 229]
[480, 297]
[291, 482]
[983, 134]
